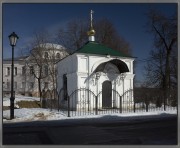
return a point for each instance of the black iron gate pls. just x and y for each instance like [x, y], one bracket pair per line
[83, 102]
[112, 101]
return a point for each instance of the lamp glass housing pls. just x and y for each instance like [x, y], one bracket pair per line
[13, 39]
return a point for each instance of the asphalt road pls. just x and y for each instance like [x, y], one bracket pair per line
[159, 131]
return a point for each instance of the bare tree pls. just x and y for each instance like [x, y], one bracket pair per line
[164, 30]
[107, 34]
[75, 36]
[40, 64]
[55, 53]
[155, 69]
[35, 61]
[43, 58]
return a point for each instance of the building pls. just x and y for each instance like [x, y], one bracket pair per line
[25, 82]
[98, 69]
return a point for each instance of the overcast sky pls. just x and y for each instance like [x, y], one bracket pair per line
[128, 18]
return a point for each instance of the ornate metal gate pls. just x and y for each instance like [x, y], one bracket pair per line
[84, 102]
[81, 102]
[113, 102]
[128, 101]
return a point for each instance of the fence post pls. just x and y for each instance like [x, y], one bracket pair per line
[120, 104]
[146, 102]
[58, 102]
[146, 107]
[51, 98]
[96, 105]
[44, 103]
[68, 106]
[134, 106]
[165, 103]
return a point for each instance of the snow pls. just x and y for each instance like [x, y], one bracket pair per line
[34, 114]
[6, 100]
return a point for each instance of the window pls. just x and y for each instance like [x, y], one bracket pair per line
[8, 85]
[23, 70]
[8, 71]
[58, 55]
[23, 85]
[15, 85]
[31, 85]
[31, 70]
[46, 85]
[46, 70]
[65, 86]
[15, 71]
[46, 55]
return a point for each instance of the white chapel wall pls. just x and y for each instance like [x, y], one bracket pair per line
[67, 66]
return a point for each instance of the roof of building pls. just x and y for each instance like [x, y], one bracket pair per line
[100, 49]
[50, 46]
[21, 58]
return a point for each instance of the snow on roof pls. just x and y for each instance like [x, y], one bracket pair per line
[51, 45]
[21, 58]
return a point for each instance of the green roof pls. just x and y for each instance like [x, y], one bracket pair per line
[96, 48]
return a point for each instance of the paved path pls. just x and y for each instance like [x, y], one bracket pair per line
[147, 131]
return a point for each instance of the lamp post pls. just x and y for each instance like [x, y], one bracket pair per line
[13, 39]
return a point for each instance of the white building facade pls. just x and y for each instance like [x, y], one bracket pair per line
[25, 83]
[99, 69]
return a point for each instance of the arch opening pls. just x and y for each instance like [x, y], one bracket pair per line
[119, 67]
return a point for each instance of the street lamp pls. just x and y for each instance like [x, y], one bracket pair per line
[13, 39]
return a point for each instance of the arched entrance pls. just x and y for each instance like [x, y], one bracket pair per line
[121, 67]
[106, 94]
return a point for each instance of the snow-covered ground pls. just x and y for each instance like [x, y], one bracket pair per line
[33, 114]
[6, 100]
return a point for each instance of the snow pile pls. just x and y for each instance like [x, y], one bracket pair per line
[27, 114]
[33, 114]
[6, 100]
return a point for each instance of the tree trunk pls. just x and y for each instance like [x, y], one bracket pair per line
[40, 93]
[167, 76]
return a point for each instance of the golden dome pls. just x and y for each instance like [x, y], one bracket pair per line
[91, 32]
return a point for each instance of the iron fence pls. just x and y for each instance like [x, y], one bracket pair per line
[84, 102]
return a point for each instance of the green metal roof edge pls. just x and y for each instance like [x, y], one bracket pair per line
[99, 49]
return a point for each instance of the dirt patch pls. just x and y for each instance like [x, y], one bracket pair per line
[6, 107]
[40, 116]
[28, 104]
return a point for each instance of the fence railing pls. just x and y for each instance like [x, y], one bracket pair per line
[83, 102]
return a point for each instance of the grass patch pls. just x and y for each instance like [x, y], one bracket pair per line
[28, 104]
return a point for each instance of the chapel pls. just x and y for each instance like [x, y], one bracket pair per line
[97, 68]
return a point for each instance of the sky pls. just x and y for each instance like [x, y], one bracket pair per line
[129, 20]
